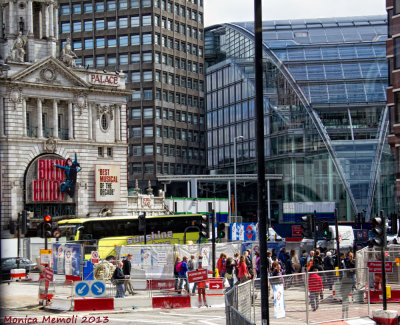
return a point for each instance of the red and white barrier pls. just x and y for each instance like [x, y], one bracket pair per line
[385, 317]
[17, 274]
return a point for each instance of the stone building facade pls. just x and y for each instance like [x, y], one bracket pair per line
[49, 110]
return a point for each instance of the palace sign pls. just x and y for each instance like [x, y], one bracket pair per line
[104, 80]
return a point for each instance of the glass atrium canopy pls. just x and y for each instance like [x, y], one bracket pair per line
[325, 83]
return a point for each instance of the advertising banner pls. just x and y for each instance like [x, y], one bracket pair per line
[108, 184]
[67, 259]
[279, 301]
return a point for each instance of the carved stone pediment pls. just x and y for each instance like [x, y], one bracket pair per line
[50, 72]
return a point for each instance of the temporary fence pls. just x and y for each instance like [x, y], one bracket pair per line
[372, 257]
[238, 304]
[297, 298]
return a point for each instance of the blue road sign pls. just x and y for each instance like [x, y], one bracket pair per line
[82, 288]
[98, 288]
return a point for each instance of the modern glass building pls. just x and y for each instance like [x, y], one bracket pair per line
[325, 114]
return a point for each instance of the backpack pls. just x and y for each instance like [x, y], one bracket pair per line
[178, 267]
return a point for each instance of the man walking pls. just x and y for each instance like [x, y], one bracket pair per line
[127, 272]
[182, 275]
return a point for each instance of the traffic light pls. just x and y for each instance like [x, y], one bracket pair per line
[307, 226]
[47, 227]
[24, 222]
[204, 232]
[378, 229]
[325, 230]
[220, 230]
[142, 222]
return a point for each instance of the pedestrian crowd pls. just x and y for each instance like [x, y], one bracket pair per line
[238, 269]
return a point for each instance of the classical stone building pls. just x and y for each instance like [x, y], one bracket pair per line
[51, 109]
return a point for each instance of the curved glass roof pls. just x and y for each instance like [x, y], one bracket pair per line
[333, 60]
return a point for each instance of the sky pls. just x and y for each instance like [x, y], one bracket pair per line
[225, 11]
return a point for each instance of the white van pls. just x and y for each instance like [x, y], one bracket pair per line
[273, 235]
[346, 240]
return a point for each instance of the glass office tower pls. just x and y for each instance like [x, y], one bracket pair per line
[325, 114]
[159, 45]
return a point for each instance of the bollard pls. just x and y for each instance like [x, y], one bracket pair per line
[385, 317]
[337, 270]
[388, 292]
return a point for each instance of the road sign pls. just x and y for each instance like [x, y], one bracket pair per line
[95, 257]
[216, 284]
[376, 267]
[45, 256]
[297, 230]
[82, 288]
[98, 288]
[197, 276]
[48, 274]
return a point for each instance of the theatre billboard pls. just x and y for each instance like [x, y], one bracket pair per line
[108, 185]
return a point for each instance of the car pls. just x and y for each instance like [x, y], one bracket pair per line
[9, 263]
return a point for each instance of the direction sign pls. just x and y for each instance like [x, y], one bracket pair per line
[45, 256]
[48, 274]
[98, 288]
[376, 267]
[197, 276]
[216, 284]
[81, 288]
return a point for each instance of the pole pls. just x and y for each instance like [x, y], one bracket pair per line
[19, 237]
[261, 199]
[234, 167]
[383, 264]
[145, 226]
[234, 172]
[314, 228]
[44, 235]
[213, 241]
[337, 239]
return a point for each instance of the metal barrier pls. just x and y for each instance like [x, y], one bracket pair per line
[238, 304]
[345, 295]
[367, 254]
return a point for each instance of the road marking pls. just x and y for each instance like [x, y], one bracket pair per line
[142, 321]
[207, 322]
[195, 316]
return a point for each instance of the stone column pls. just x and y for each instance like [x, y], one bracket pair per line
[24, 133]
[55, 118]
[1, 117]
[55, 17]
[30, 18]
[45, 20]
[94, 120]
[70, 122]
[90, 117]
[51, 20]
[39, 118]
[117, 124]
[11, 18]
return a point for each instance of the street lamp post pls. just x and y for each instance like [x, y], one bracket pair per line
[240, 137]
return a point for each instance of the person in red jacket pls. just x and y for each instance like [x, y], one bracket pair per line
[315, 287]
